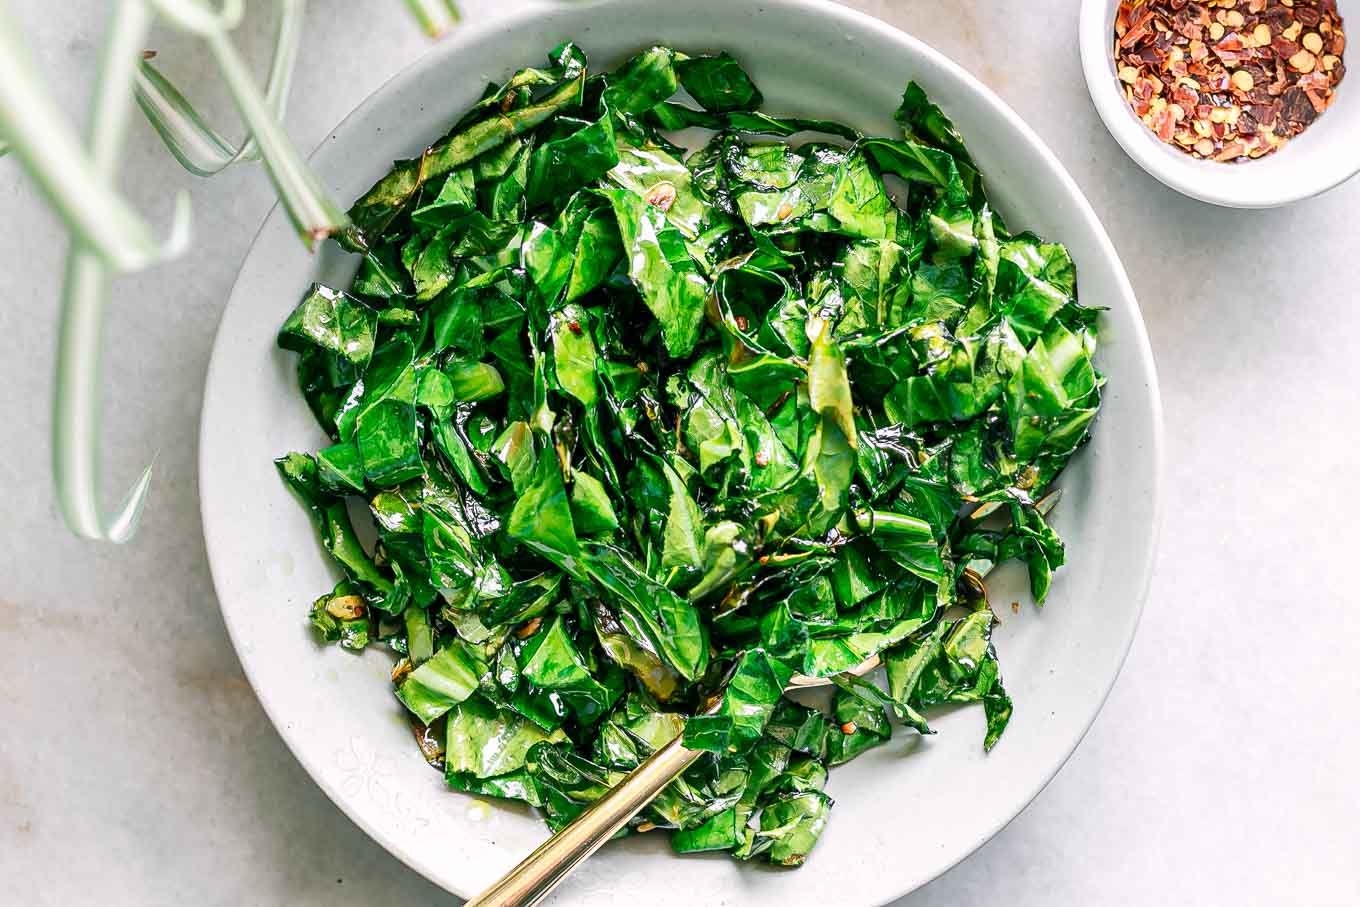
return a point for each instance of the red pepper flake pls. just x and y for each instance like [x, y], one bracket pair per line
[1228, 80]
[575, 328]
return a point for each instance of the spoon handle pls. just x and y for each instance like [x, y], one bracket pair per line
[545, 868]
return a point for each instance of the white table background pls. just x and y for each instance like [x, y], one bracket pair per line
[136, 766]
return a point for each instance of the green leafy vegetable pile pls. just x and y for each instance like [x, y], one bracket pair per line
[638, 427]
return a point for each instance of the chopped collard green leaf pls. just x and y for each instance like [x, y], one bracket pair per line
[646, 432]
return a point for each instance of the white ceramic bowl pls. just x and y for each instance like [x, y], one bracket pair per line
[906, 811]
[1322, 157]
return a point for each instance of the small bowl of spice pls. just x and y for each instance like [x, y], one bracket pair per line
[1240, 103]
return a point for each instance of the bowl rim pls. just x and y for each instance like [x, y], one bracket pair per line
[468, 34]
[1156, 159]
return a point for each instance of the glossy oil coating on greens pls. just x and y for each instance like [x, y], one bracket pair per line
[638, 426]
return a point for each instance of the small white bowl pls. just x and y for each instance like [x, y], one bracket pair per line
[1321, 157]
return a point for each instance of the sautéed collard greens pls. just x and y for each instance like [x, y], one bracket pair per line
[639, 427]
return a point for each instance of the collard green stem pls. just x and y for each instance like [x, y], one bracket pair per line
[380, 205]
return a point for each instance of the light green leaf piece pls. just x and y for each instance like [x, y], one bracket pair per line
[334, 323]
[662, 181]
[446, 679]
[829, 383]
[859, 202]
[643, 81]
[487, 742]
[684, 533]
[541, 518]
[661, 270]
[591, 509]
[574, 353]
[752, 692]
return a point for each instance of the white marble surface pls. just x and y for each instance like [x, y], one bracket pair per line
[137, 768]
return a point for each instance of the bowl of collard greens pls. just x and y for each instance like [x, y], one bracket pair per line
[667, 365]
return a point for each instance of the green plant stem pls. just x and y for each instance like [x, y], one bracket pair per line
[75, 418]
[435, 16]
[194, 143]
[82, 193]
[198, 18]
[310, 206]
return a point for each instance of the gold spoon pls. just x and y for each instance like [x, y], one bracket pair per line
[541, 871]
[556, 858]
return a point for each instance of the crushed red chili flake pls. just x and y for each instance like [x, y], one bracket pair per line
[1228, 80]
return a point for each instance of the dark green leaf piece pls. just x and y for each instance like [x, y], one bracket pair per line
[718, 83]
